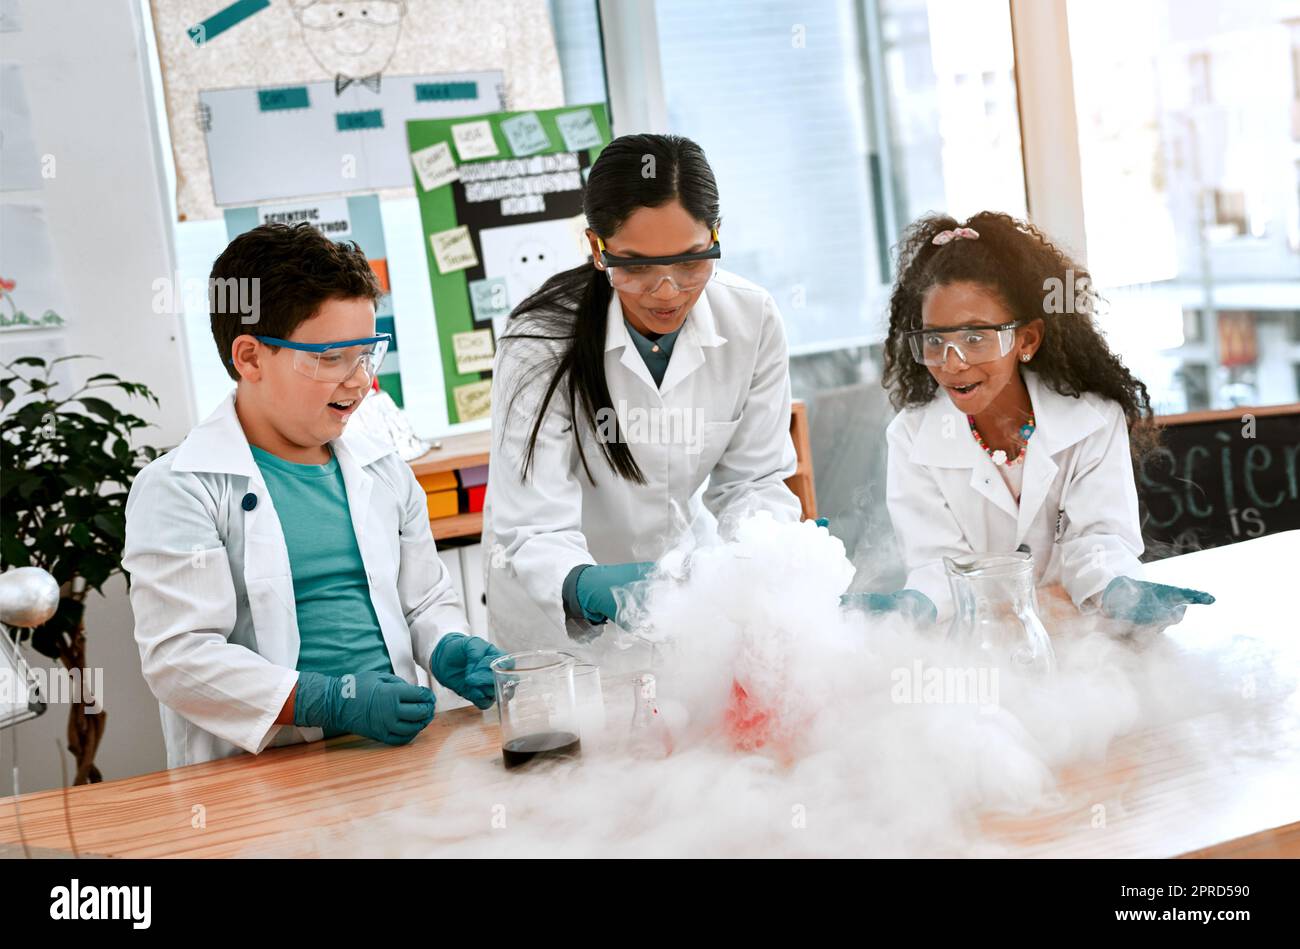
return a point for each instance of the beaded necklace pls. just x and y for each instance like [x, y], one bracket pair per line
[999, 456]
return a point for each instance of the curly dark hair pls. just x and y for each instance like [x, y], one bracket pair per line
[296, 269]
[1015, 260]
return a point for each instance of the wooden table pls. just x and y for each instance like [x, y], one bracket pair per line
[1177, 790]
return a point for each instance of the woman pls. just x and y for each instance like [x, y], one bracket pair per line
[622, 386]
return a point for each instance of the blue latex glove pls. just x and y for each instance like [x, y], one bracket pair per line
[378, 705]
[912, 604]
[597, 583]
[464, 665]
[1148, 604]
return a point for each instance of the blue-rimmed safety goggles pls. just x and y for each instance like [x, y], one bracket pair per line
[335, 362]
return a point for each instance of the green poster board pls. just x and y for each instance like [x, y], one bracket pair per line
[501, 210]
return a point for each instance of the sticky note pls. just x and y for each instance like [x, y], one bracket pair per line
[490, 299]
[289, 97]
[453, 250]
[474, 140]
[445, 91]
[435, 166]
[474, 351]
[473, 400]
[224, 19]
[525, 134]
[579, 130]
[579, 225]
[359, 121]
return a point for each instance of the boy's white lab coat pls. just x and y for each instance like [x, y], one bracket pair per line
[215, 617]
[728, 388]
[1078, 509]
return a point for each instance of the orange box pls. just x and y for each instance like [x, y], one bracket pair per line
[443, 504]
[438, 481]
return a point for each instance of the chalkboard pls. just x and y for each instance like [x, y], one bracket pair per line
[1220, 477]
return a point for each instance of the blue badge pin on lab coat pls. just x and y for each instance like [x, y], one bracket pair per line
[249, 502]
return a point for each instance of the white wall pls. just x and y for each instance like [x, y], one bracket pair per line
[92, 110]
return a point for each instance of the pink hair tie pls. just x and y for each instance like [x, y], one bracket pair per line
[956, 233]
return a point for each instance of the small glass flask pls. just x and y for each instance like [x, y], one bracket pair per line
[649, 737]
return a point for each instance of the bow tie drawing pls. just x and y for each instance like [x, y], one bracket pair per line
[371, 82]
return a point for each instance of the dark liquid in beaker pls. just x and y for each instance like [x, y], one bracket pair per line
[520, 751]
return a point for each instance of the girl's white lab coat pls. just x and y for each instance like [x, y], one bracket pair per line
[1078, 509]
[211, 590]
[727, 388]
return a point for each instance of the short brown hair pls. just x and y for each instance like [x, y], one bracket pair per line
[287, 272]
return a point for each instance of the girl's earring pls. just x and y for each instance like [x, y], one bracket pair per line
[1024, 357]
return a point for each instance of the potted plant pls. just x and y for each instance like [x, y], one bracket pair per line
[66, 463]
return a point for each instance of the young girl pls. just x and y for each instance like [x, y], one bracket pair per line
[1015, 421]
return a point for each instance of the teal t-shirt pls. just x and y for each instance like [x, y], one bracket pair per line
[654, 350]
[337, 627]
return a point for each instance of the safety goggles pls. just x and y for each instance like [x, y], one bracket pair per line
[973, 344]
[644, 274]
[336, 362]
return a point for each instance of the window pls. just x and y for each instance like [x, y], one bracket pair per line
[1190, 156]
[830, 126]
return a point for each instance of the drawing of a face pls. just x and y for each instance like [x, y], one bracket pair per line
[530, 264]
[526, 255]
[352, 38]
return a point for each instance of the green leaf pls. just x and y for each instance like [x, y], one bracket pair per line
[110, 525]
[29, 361]
[98, 407]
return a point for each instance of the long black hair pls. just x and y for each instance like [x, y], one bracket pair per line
[571, 308]
[1018, 262]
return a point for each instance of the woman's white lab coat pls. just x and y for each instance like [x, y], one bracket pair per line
[726, 388]
[1078, 509]
[215, 617]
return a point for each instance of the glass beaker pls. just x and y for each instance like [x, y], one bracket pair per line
[539, 718]
[589, 698]
[995, 609]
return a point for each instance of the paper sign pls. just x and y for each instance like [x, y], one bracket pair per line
[490, 299]
[474, 140]
[473, 400]
[579, 130]
[330, 216]
[434, 166]
[474, 351]
[453, 249]
[525, 134]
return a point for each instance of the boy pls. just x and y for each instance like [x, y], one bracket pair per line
[284, 579]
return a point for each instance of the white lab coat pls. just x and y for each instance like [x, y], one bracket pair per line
[729, 362]
[215, 616]
[1078, 509]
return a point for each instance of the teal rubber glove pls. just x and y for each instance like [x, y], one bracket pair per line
[377, 705]
[1142, 603]
[912, 604]
[464, 665]
[597, 583]
[822, 522]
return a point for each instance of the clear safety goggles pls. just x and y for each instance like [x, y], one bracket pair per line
[645, 274]
[325, 15]
[973, 344]
[336, 362]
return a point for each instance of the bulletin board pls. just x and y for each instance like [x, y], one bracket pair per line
[500, 200]
[278, 82]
